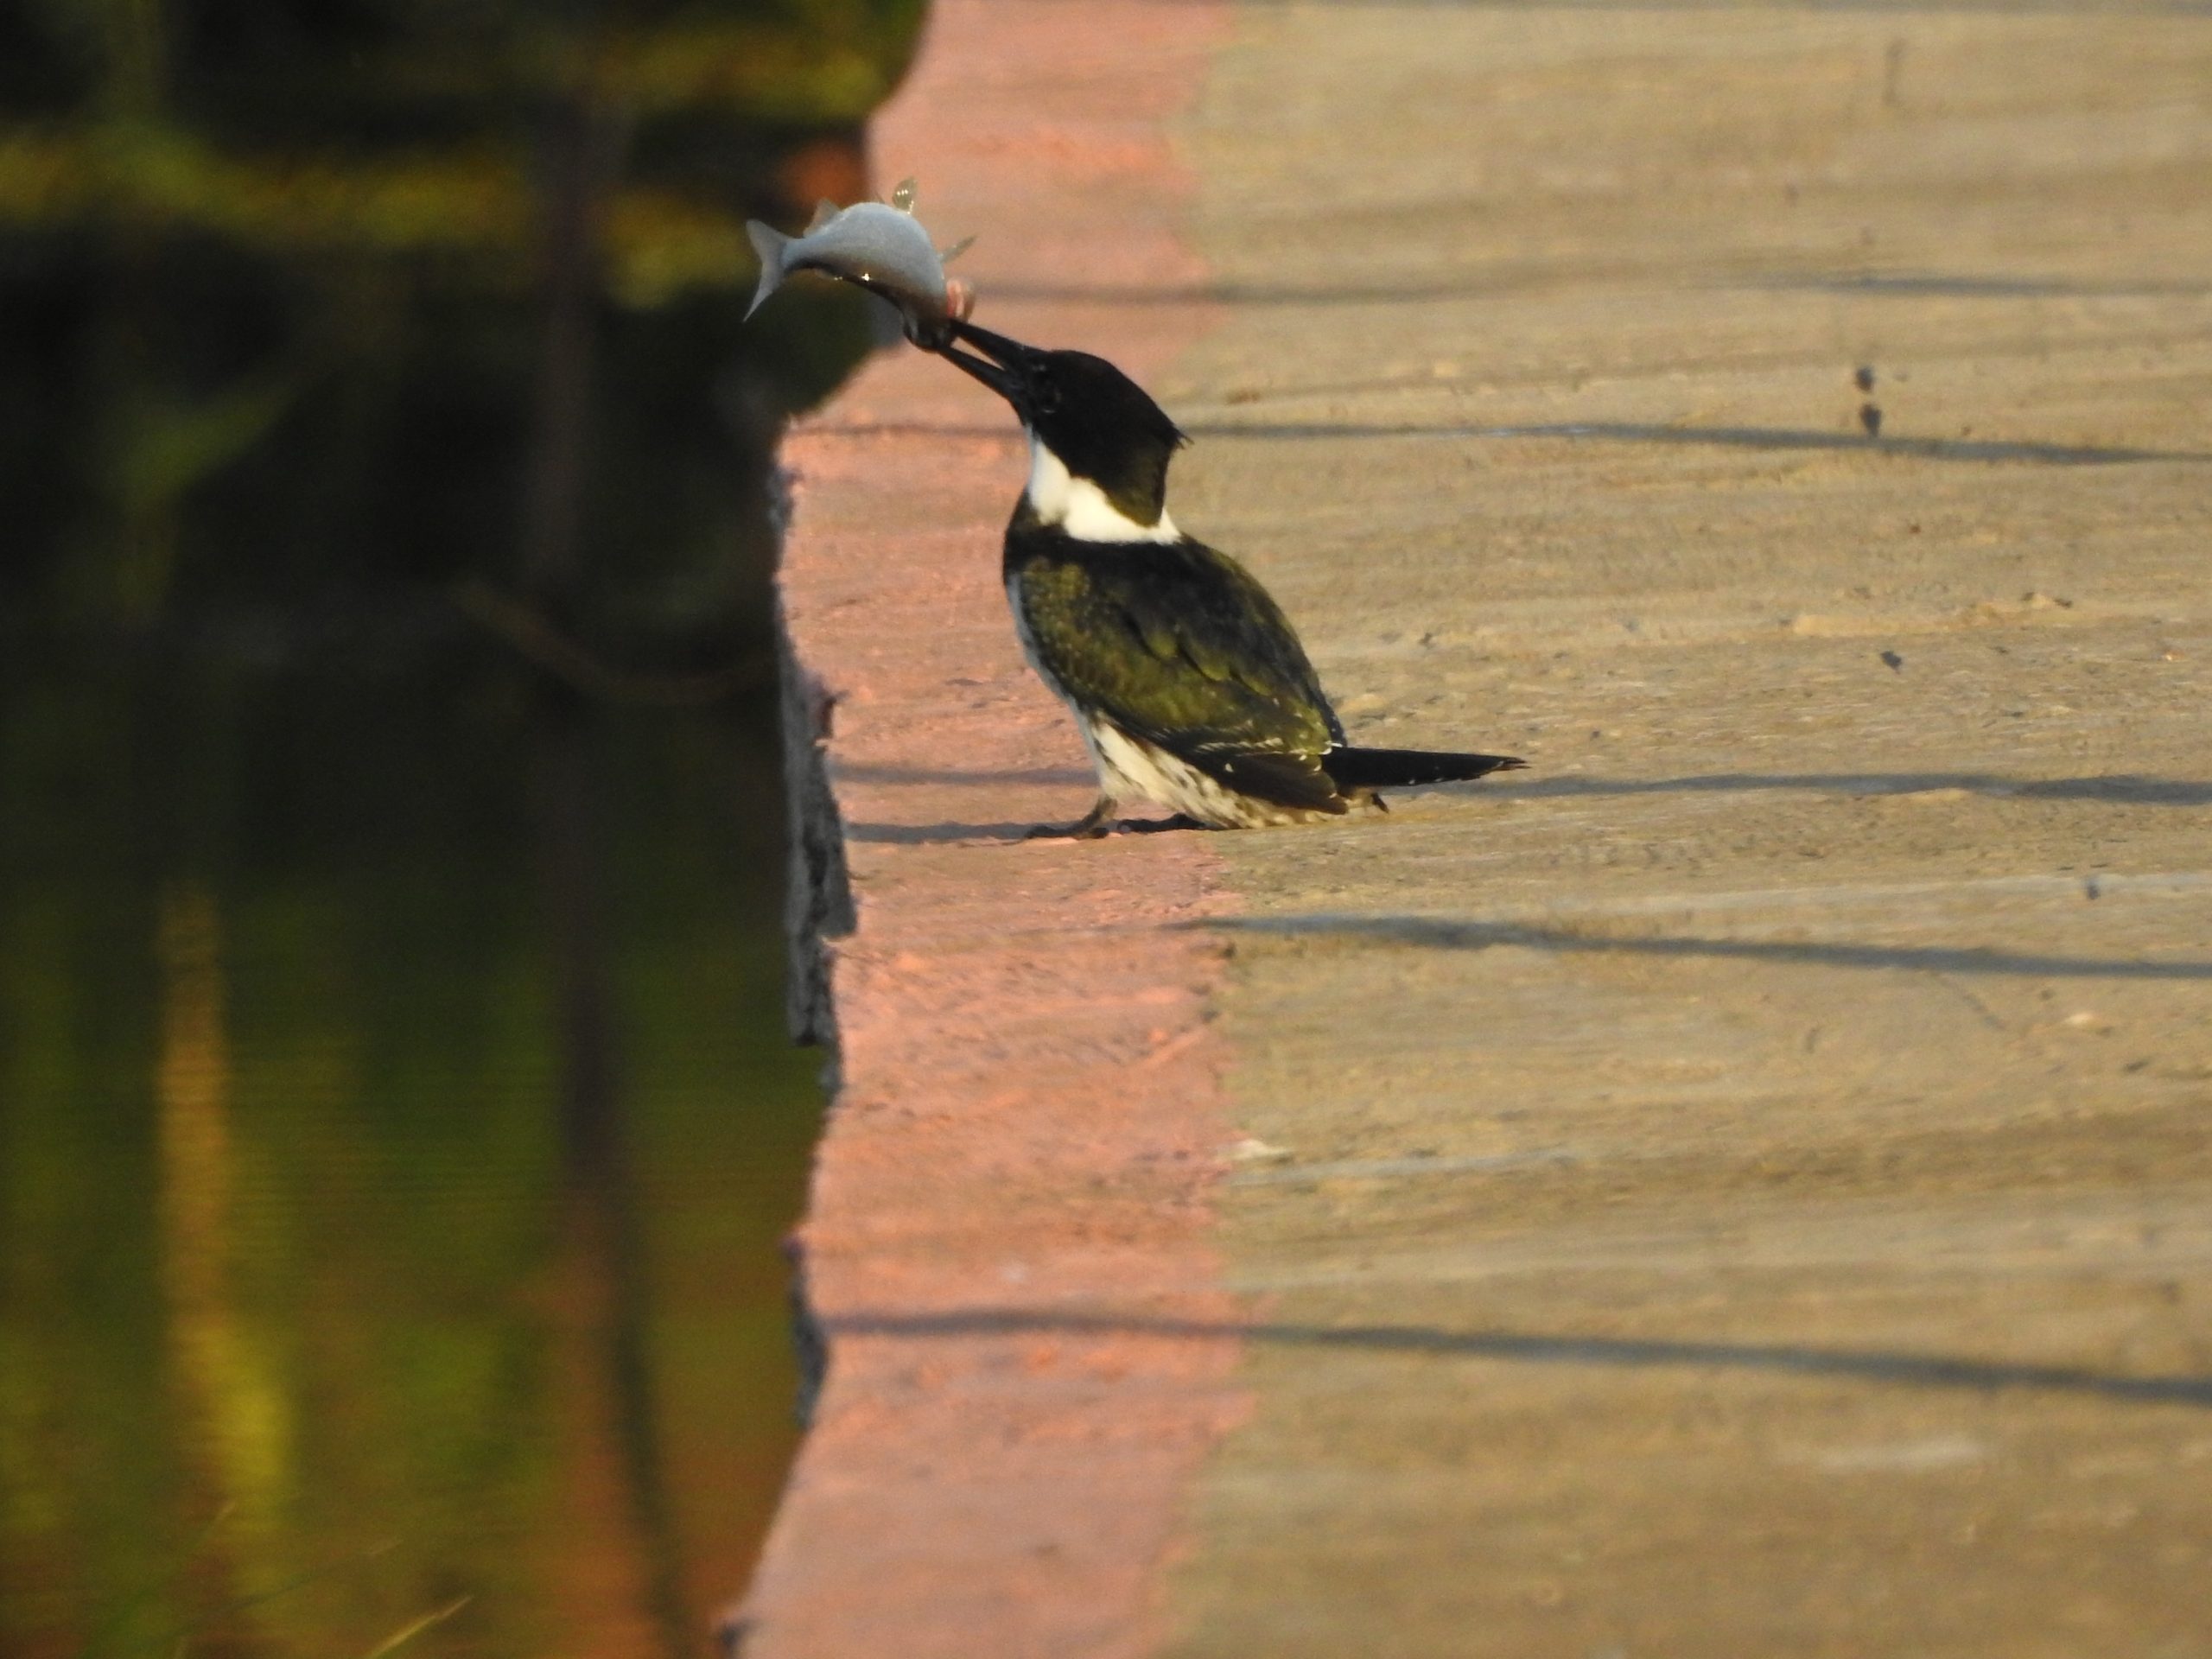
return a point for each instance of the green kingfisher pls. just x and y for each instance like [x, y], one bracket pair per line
[1185, 679]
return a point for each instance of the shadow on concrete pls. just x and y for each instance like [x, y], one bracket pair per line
[1441, 933]
[1912, 284]
[1906, 1370]
[2126, 789]
[946, 834]
[874, 774]
[1500, 282]
[2122, 789]
[1981, 451]
[1487, 285]
[949, 834]
[937, 834]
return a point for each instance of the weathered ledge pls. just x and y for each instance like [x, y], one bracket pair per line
[1026, 1125]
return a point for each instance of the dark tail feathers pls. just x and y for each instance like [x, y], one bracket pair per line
[1402, 768]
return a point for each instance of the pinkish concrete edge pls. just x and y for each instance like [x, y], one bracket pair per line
[1008, 1236]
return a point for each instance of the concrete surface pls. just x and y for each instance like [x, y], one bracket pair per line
[1746, 1189]
[1744, 1186]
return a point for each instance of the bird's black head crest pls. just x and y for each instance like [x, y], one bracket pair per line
[1100, 423]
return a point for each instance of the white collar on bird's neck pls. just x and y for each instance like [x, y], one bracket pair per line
[1079, 509]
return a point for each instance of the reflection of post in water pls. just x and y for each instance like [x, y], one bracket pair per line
[617, 1582]
[231, 1408]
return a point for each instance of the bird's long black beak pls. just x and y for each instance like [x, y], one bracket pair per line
[1004, 370]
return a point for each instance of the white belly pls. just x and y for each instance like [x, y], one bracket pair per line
[1130, 769]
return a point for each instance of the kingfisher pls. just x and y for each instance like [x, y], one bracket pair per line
[1187, 681]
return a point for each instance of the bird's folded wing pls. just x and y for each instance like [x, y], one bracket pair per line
[1179, 646]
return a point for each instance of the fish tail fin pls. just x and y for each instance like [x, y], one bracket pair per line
[769, 243]
[1406, 768]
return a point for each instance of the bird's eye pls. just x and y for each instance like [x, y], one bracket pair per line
[1046, 398]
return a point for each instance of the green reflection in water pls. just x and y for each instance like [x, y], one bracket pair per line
[395, 1122]
[315, 1321]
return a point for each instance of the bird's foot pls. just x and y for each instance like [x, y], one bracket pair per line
[1091, 826]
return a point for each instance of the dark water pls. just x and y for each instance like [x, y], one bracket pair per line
[358, 1269]
[396, 1122]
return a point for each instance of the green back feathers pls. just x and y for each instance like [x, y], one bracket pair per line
[1177, 644]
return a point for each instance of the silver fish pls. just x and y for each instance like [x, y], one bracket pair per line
[880, 245]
